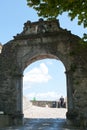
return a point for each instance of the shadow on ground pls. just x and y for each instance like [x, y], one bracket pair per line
[47, 124]
[43, 124]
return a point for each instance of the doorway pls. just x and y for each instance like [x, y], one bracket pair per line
[44, 83]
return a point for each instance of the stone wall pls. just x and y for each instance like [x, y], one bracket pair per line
[52, 104]
[40, 40]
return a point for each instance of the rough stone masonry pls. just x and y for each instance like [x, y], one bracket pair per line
[39, 40]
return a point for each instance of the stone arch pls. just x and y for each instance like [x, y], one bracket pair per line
[39, 40]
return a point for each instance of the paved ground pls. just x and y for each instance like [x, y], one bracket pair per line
[43, 124]
[31, 111]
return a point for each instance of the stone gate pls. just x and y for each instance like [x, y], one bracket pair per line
[39, 40]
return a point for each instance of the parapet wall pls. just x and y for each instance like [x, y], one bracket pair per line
[52, 104]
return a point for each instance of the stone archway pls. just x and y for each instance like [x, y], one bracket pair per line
[39, 40]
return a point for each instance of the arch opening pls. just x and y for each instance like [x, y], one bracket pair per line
[44, 83]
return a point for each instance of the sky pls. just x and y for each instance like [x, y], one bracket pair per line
[44, 79]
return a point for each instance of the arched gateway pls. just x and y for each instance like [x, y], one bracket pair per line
[39, 40]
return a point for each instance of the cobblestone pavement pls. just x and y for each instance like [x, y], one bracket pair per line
[43, 124]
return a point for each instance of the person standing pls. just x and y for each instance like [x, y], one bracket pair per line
[61, 101]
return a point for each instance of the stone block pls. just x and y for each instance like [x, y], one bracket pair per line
[4, 120]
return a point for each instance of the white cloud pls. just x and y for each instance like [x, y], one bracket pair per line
[44, 96]
[44, 68]
[37, 75]
[49, 62]
[26, 86]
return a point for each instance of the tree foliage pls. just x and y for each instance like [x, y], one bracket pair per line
[50, 9]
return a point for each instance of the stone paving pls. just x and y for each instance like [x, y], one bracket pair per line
[43, 124]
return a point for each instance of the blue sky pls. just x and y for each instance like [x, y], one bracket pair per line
[44, 79]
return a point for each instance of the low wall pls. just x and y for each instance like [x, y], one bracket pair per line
[52, 104]
[11, 120]
[4, 120]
